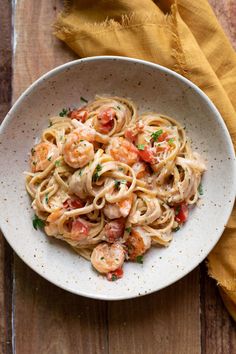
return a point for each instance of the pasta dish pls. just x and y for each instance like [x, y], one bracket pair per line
[111, 182]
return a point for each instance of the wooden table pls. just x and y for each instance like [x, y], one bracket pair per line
[36, 317]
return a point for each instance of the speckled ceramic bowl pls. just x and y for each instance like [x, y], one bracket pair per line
[151, 87]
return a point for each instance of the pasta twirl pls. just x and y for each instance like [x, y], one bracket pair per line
[111, 183]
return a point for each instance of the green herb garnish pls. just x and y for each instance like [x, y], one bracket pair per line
[128, 229]
[50, 124]
[49, 158]
[34, 163]
[176, 229]
[83, 99]
[96, 174]
[118, 183]
[32, 151]
[156, 134]
[46, 198]
[102, 258]
[170, 141]
[113, 277]
[57, 163]
[63, 113]
[38, 223]
[141, 146]
[80, 172]
[139, 259]
[200, 190]
[118, 107]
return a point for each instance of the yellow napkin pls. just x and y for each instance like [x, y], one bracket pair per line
[183, 35]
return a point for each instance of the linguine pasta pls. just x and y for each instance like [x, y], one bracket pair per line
[112, 183]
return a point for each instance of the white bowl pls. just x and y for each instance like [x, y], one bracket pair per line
[151, 87]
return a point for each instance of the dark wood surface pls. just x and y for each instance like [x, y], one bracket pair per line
[37, 317]
[6, 254]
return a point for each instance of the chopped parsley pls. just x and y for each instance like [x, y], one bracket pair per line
[177, 210]
[141, 146]
[32, 151]
[96, 174]
[46, 198]
[80, 172]
[102, 258]
[170, 141]
[128, 229]
[64, 112]
[118, 107]
[176, 229]
[57, 163]
[38, 222]
[118, 183]
[34, 163]
[156, 134]
[50, 124]
[49, 158]
[113, 277]
[139, 259]
[83, 99]
[200, 190]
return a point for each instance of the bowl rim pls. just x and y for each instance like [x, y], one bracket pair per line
[10, 115]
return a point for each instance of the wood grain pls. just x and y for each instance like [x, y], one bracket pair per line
[164, 322]
[55, 321]
[6, 254]
[217, 327]
[225, 11]
[50, 320]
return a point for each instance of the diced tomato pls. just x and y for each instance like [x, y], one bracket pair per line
[114, 229]
[181, 213]
[71, 204]
[162, 137]
[130, 135]
[116, 274]
[106, 115]
[80, 114]
[147, 155]
[106, 120]
[79, 228]
[105, 128]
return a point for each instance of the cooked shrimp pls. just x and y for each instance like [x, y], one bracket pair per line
[122, 150]
[42, 155]
[76, 151]
[138, 242]
[87, 132]
[119, 209]
[114, 230]
[106, 258]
